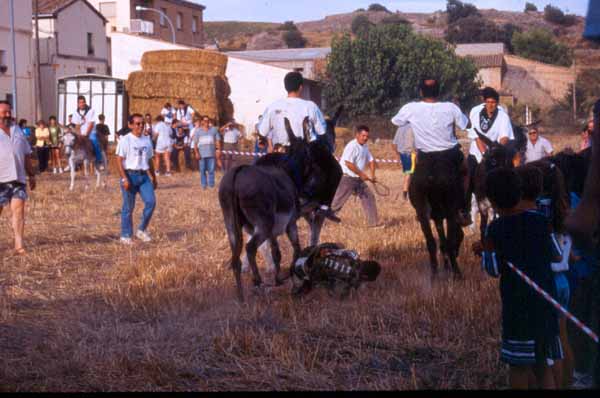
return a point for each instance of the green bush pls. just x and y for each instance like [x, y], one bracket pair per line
[294, 39]
[557, 16]
[540, 45]
[456, 10]
[476, 29]
[288, 26]
[530, 7]
[377, 73]
[378, 7]
[395, 19]
[360, 24]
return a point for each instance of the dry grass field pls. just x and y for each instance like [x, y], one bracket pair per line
[80, 312]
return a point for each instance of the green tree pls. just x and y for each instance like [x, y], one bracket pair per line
[375, 74]
[557, 16]
[530, 7]
[360, 24]
[288, 26]
[477, 29]
[395, 19]
[540, 45]
[294, 39]
[456, 10]
[378, 7]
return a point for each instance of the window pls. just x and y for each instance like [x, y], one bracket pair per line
[108, 9]
[194, 24]
[9, 99]
[90, 44]
[179, 21]
[90, 70]
[163, 20]
[3, 60]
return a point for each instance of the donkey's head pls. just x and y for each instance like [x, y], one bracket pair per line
[299, 150]
[497, 155]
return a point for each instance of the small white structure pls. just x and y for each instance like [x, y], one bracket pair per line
[253, 85]
[106, 95]
[24, 58]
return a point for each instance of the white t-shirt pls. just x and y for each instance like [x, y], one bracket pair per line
[231, 136]
[501, 128]
[186, 116]
[540, 150]
[84, 120]
[565, 243]
[163, 133]
[168, 115]
[136, 152]
[13, 151]
[295, 109]
[432, 124]
[357, 154]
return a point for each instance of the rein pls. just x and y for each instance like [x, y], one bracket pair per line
[381, 189]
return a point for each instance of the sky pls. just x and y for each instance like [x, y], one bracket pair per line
[307, 10]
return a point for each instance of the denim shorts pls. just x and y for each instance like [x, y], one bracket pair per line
[12, 190]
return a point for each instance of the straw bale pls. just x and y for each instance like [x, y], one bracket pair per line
[180, 85]
[196, 61]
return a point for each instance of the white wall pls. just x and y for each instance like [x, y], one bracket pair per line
[253, 86]
[123, 17]
[24, 56]
[72, 25]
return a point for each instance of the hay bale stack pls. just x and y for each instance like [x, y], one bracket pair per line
[194, 61]
[196, 76]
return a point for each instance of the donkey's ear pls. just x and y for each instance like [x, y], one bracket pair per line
[337, 115]
[306, 129]
[485, 139]
[288, 128]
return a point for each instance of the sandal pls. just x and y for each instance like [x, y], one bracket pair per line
[20, 252]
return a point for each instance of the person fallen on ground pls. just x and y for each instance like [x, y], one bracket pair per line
[136, 169]
[433, 124]
[404, 147]
[162, 132]
[205, 141]
[15, 167]
[55, 144]
[532, 199]
[103, 132]
[296, 110]
[330, 265]
[355, 161]
[538, 147]
[530, 330]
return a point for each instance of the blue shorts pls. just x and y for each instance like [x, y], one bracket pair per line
[12, 190]
[563, 291]
[408, 165]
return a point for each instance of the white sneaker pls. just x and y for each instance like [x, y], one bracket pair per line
[168, 175]
[61, 170]
[126, 241]
[68, 168]
[54, 171]
[143, 236]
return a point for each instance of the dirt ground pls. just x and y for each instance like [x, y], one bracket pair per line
[80, 312]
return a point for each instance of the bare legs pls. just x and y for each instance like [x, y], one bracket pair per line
[17, 207]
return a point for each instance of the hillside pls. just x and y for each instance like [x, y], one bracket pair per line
[237, 35]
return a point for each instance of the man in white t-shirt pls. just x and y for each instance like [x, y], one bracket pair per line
[355, 160]
[433, 125]
[295, 109]
[231, 135]
[15, 166]
[537, 147]
[85, 119]
[164, 145]
[137, 176]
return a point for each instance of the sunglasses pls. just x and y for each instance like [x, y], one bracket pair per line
[533, 133]
[137, 123]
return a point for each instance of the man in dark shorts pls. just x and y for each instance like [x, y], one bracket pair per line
[15, 165]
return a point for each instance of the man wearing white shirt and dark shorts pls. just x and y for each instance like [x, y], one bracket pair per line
[295, 109]
[137, 176]
[355, 160]
[162, 134]
[433, 125]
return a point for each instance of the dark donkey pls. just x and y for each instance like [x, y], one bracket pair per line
[263, 200]
[436, 195]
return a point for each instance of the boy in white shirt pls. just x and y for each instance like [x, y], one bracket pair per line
[137, 176]
[355, 160]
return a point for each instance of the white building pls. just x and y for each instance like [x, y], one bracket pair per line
[250, 96]
[24, 58]
[72, 42]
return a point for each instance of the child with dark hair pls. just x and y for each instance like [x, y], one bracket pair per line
[530, 342]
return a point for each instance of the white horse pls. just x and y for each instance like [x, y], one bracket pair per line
[78, 153]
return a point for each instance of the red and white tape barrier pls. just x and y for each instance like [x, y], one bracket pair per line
[555, 304]
[238, 153]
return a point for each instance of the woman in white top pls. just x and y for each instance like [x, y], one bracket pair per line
[168, 113]
[164, 145]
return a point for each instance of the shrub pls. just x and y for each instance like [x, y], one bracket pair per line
[395, 19]
[456, 10]
[378, 7]
[476, 29]
[288, 26]
[375, 74]
[530, 7]
[360, 24]
[540, 45]
[294, 39]
[555, 15]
